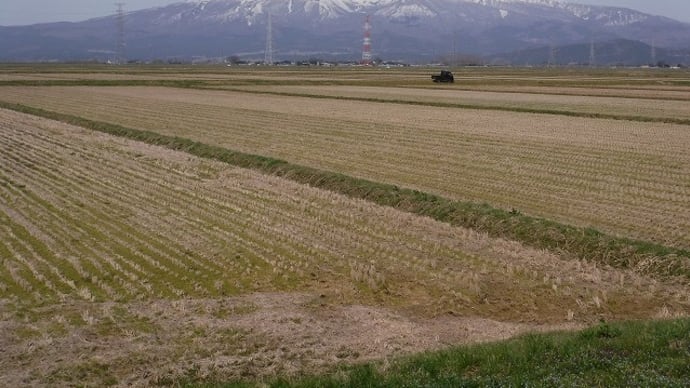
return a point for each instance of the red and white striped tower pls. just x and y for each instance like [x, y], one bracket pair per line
[366, 49]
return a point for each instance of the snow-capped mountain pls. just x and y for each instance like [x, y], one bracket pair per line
[401, 29]
[253, 10]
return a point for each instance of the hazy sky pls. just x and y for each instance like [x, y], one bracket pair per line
[17, 12]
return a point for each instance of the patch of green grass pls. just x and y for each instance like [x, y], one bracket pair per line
[623, 354]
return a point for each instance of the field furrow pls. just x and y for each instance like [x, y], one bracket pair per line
[87, 259]
[44, 191]
[156, 254]
[107, 191]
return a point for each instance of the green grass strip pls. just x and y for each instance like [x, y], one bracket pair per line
[584, 243]
[632, 354]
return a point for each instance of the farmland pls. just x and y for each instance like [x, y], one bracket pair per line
[657, 105]
[607, 174]
[131, 263]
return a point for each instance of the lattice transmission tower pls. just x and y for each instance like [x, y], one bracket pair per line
[366, 47]
[268, 54]
[120, 19]
[553, 56]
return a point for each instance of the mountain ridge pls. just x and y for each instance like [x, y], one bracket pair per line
[410, 30]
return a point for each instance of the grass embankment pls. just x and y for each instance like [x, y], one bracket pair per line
[622, 354]
[584, 243]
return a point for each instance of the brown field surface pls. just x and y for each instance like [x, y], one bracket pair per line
[126, 263]
[129, 264]
[123, 263]
[568, 103]
[104, 76]
[660, 92]
[230, 76]
[627, 178]
[233, 74]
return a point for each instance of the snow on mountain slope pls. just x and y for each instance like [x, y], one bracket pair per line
[250, 10]
[609, 15]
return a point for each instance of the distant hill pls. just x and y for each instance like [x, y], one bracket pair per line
[408, 30]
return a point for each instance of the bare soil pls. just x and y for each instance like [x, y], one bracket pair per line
[249, 337]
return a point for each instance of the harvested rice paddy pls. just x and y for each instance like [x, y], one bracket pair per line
[126, 263]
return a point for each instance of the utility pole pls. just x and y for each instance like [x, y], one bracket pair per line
[592, 54]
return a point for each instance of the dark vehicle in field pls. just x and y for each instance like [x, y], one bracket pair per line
[445, 76]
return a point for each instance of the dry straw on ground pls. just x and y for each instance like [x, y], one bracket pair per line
[552, 98]
[130, 263]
